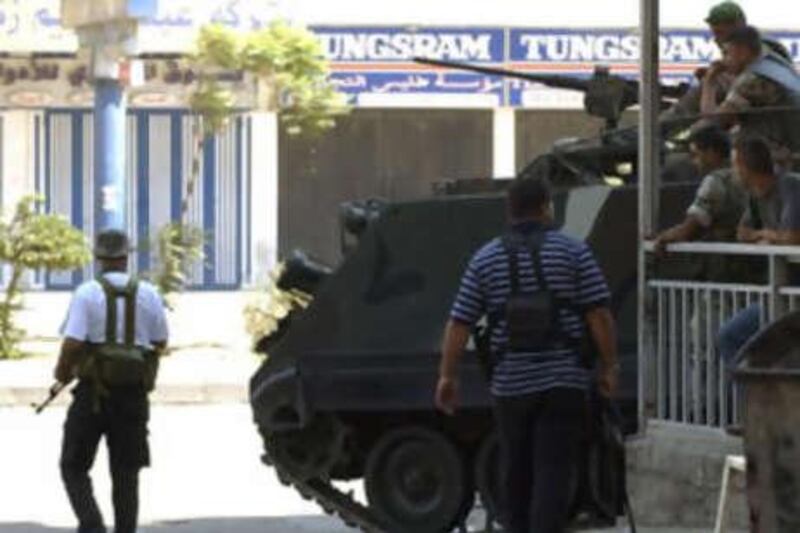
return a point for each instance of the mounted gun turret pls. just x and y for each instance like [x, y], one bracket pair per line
[606, 95]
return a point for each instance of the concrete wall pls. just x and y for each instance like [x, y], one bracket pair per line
[675, 473]
[396, 154]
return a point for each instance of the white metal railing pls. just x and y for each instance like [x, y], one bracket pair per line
[682, 376]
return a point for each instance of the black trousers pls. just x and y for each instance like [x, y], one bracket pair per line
[121, 417]
[540, 441]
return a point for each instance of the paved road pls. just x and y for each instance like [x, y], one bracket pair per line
[206, 477]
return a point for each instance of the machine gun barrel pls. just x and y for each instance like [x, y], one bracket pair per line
[551, 80]
[566, 82]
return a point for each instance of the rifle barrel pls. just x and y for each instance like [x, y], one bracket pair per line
[54, 391]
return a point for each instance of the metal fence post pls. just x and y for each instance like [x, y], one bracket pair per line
[778, 278]
[648, 192]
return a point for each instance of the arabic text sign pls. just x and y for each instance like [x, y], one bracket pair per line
[35, 25]
[64, 82]
[378, 60]
[355, 83]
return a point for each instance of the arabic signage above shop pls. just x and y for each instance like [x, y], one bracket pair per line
[576, 52]
[51, 82]
[34, 25]
[377, 61]
[372, 65]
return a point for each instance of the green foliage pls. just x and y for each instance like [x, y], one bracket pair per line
[218, 47]
[291, 73]
[213, 105]
[180, 246]
[32, 240]
[265, 311]
[289, 66]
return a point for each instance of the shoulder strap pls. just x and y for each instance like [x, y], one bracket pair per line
[112, 293]
[510, 244]
[535, 242]
[111, 308]
[130, 311]
[778, 71]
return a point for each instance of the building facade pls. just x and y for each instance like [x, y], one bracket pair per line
[46, 145]
[262, 192]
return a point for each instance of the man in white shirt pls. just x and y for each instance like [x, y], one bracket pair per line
[115, 362]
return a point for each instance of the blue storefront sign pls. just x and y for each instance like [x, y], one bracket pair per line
[417, 82]
[375, 61]
[578, 52]
[379, 60]
[608, 46]
[384, 45]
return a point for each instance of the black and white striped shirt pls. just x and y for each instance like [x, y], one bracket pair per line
[572, 275]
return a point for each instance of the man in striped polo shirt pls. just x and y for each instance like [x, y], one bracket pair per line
[540, 395]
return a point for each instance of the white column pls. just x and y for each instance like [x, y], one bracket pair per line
[504, 147]
[263, 195]
[18, 157]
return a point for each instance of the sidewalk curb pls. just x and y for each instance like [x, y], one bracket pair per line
[167, 394]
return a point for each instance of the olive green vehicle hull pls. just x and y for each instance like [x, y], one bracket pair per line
[347, 389]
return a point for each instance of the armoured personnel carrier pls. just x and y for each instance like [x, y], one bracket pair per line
[346, 390]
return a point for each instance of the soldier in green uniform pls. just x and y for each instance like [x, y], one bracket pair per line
[716, 80]
[726, 17]
[763, 81]
[720, 199]
[113, 332]
[714, 215]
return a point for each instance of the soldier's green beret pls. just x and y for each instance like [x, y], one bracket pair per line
[725, 12]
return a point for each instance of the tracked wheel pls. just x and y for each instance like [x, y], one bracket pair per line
[416, 480]
[308, 453]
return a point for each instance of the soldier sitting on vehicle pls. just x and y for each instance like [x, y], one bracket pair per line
[715, 80]
[764, 82]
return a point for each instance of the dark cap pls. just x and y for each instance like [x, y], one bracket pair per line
[725, 12]
[111, 244]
